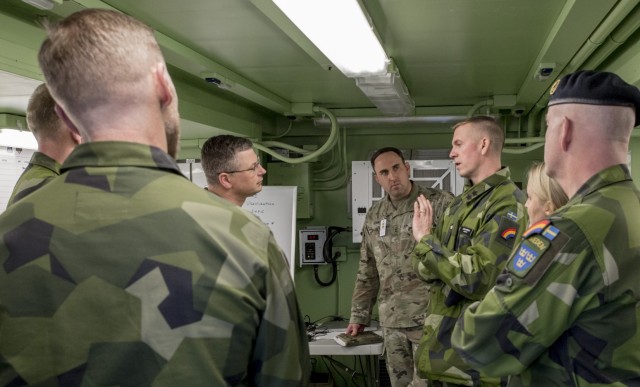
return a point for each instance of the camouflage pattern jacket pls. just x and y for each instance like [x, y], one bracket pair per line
[122, 272]
[461, 259]
[40, 171]
[385, 270]
[565, 309]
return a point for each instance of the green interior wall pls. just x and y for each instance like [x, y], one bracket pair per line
[331, 209]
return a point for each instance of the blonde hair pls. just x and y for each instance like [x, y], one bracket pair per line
[544, 187]
[489, 127]
[42, 119]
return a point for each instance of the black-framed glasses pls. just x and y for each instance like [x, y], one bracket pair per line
[252, 168]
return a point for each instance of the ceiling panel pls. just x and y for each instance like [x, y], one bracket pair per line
[449, 52]
[459, 52]
[237, 35]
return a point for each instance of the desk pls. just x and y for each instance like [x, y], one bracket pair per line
[324, 345]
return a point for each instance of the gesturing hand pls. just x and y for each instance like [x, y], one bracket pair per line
[422, 218]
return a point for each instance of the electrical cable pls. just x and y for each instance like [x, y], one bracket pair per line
[334, 274]
[327, 249]
[343, 370]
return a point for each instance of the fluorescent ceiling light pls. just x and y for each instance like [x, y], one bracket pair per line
[340, 29]
[388, 92]
[17, 139]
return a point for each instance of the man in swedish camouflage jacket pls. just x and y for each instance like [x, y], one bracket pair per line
[121, 272]
[462, 256]
[565, 309]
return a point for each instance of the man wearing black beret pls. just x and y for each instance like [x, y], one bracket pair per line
[564, 312]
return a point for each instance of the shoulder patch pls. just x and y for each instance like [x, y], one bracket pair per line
[509, 233]
[527, 255]
[512, 216]
[550, 233]
[536, 228]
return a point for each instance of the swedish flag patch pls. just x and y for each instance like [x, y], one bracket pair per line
[550, 233]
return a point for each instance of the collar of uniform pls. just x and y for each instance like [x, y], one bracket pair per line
[405, 204]
[471, 192]
[118, 153]
[45, 161]
[607, 176]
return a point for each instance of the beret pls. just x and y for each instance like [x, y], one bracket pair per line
[595, 88]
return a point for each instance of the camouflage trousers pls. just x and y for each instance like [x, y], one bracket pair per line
[400, 346]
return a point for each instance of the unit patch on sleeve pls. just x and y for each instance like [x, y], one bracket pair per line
[507, 229]
[528, 253]
[509, 233]
[536, 228]
[538, 248]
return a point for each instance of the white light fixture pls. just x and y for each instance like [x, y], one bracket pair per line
[17, 139]
[43, 4]
[388, 92]
[340, 29]
[14, 132]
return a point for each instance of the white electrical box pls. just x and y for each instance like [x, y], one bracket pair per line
[311, 244]
[365, 190]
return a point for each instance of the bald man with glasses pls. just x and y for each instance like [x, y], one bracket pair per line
[232, 168]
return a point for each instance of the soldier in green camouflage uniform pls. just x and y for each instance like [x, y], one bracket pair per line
[40, 171]
[464, 254]
[385, 270]
[55, 142]
[565, 310]
[121, 272]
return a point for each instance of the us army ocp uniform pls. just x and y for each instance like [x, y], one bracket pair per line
[385, 271]
[461, 260]
[565, 310]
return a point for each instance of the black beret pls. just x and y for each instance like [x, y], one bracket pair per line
[595, 88]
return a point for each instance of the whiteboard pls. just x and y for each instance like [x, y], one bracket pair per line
[276, 207]
[13, 161]
[192, 169]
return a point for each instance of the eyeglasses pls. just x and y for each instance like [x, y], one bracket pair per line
[252, 168]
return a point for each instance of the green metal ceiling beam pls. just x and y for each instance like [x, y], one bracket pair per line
[185, 58]
[627, 65]
[572, 29]
[21, 41]
[280, 20]
[12, 121]
[19, 47]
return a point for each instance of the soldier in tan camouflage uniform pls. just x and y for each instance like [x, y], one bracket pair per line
[385, 270]
[565, 311]
[462, 256]
[121, 272]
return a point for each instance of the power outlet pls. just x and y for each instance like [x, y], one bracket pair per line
[341, 251]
